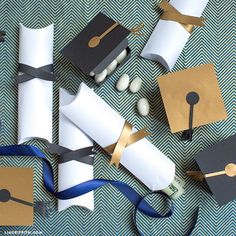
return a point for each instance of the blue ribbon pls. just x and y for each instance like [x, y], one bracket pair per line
[85, 187]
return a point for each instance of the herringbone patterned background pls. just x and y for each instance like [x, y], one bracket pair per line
[113, 213]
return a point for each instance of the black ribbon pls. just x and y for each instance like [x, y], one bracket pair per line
[29, 72]
[81, 155]
[192, 99]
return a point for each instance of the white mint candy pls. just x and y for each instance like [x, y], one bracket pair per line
[123, 83]
[122, 56]
[135, 85]
[143, 107]
[100, 77]
[91, 74]
[112, 67]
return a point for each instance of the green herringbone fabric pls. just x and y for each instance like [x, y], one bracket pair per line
[113, 213]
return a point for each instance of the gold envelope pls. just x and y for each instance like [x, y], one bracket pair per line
[19, 182]
[175, 86]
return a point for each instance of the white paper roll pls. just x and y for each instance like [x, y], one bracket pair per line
[104, 125]
[35, 96]
[169, 38]
[73, 172]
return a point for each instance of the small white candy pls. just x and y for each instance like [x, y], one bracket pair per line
[100, 77]
[135, 85]
[122, 56]
[91, 74]
[143, 107]
[122, 83]
[112, 67]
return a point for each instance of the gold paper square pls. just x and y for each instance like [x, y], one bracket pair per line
[175, 86]
[19, 182]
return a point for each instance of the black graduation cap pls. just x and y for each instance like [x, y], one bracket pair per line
[218, 166]
[99, 43]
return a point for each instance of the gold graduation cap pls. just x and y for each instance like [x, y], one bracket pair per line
[192, 98]
[218, 168]
[16, 196]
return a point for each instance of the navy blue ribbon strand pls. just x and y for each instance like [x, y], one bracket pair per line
[85, 187]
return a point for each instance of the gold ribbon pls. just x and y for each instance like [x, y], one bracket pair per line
[171, 13]
[125, 140]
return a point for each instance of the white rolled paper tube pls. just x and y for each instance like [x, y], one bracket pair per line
[169, 38]
[73, 172]
[104, 125]
[35, 96]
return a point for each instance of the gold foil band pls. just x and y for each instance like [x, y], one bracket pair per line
[171, 13]
[125, 139]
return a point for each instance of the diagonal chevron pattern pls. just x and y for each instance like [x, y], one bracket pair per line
[113, 213]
